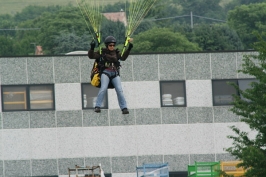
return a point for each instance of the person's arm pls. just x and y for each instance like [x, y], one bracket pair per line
[126, 53]
[91, 53]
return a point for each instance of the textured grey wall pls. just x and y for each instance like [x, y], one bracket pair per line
[36, 143]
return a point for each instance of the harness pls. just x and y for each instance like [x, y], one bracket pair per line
[103, 64]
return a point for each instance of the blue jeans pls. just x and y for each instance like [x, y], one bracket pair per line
[118, 88]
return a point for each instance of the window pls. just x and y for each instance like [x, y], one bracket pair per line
[27, 97]
[223, 91]
[89, 96]
[173, 93]
[245, 84]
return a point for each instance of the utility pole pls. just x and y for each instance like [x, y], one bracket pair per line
[191, 19]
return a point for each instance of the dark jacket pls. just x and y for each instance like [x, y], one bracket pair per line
[110, 56]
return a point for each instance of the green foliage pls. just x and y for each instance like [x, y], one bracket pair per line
[234, 3]
[144, 26]
[7, 22]
[9, 46]
[246, 20]
[32, 12]
[68, 19]
[160, 12]
[251, 1]
[6, 46]
[252, 111]
[116, 29]
[14, 6]
[25, 46]
[68, 42]
[162, 40]
[54, 21]
[50, 24]
[116, 7]
[200, 7]
[206, 8]
[216, 38]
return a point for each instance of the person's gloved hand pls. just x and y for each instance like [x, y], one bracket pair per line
[92, 45]
[130, 46]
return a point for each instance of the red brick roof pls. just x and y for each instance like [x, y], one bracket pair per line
[38, 50]
[117, 16]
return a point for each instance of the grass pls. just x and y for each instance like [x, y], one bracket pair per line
[13, 6]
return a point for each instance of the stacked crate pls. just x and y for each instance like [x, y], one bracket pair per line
[215, 169]
[230, 168]
[160, 170]
[204, 169]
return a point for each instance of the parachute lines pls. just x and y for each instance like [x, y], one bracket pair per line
[138, 9]
[91, 12]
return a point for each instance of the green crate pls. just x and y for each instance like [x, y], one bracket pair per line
[204, 169]
[191, 170]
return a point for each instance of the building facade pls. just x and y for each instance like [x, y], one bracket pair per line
[179, 113]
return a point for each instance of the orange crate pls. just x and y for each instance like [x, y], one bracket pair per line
[229, 167]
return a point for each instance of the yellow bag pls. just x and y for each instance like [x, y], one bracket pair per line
[95, 75]
[96, 80]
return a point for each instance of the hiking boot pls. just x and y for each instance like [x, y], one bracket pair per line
[97, 109]
[125, 111]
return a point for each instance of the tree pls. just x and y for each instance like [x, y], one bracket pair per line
[116, 7]
[6, 46]
[247, 19]
[234, 3]
[116, 29]
[216, 38]
[206, 8]
[251, 1]
[160, 12]
[7, 22]
[68, 42]
[144, 26]
[200, 7]
[32, 12]
[252, 111]
[162, 40]
[25, 46]
[67, 19]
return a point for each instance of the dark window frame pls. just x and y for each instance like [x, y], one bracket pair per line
[82, 99]
[228, 80]
[27, 88]
[173, 81]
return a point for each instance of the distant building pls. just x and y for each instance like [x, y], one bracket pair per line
[38, 50]
[117, 16]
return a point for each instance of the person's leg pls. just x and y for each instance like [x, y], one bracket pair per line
[119, 91]
[104, 85]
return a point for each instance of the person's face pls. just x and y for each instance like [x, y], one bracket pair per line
[111, 46]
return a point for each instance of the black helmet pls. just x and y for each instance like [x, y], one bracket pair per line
[109, 39]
